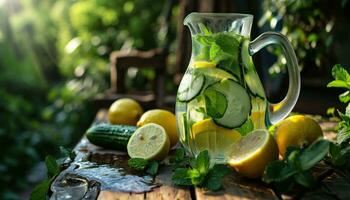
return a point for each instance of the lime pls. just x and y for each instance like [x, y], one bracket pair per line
[253, 152]
[149, 142]
[124, 111]
[297, 130]
[163, 118]
[203, 64]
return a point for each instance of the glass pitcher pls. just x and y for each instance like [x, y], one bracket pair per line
[220, 98]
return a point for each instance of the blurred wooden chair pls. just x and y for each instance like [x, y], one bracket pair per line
[155, 59]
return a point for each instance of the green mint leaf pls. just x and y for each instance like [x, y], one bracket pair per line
[246, 128]
[215, 102]
[314, 153]
[138, 163]
[66, 152]
[343, 135]
[338, 84]
[293, 157]
[52, 166]
[339, 156]
[305, 179]
[339, 73]
[214, 178]
[285, 186]
[152, 168]
[202, 162]
[40, 191]
[178, 156]
[183, 177]
[345, 97]
[204, 29]
[277, 171]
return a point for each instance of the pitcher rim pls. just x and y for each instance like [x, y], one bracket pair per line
[241, 15]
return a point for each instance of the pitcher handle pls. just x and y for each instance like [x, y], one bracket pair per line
[282, 109]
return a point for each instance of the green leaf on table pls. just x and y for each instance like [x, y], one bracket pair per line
[285, 185]
[184, 176]
[293, 157]
[214, 179]
[178, 156]
[314, 153]
[152, 168]
[277, 171]
[40, 191]
[68, 153]
[139, 164]
[246, 128]
[305, 179]
[52, 166]
[202, 162]
[339, 156]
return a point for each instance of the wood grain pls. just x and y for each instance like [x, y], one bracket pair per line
[237, 187]
[167, 191]
[108, 195]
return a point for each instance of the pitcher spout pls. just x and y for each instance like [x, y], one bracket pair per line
[205, 23]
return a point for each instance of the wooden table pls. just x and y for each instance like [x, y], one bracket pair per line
[235, 186]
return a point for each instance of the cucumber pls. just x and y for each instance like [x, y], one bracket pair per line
[229, 105]
[110, 136]
[190, 87]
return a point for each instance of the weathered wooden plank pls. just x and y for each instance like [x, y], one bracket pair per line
[167, 191]
[237, 187]
[108, 195]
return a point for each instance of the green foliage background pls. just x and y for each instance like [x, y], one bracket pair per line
[53, 59]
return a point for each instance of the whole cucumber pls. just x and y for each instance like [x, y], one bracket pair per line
[110, 136]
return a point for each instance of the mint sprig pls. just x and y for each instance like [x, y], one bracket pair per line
[140, 164]
[198, 173]
[295, 168]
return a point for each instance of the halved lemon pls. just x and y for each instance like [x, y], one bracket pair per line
[149, 142]
[253, 152]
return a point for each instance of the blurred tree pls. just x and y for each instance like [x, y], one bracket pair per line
[314, 27]
[53, 59]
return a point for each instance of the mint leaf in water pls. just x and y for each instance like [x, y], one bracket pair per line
[246, 128]
[215, 102]
[138, 163]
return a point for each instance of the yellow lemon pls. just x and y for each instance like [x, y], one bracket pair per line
[208, 135]
[163, 118]
[252, 153]
[297, 130]
[124, 111]
[149, 142]
[203, 64]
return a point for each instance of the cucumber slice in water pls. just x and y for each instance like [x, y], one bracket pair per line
[236, 105]
[190, 87]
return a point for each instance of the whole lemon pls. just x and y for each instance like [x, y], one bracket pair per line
[163, 118]
[124, 111]
[297, 130]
